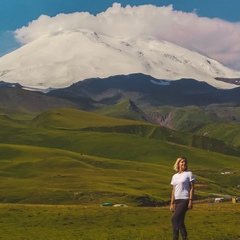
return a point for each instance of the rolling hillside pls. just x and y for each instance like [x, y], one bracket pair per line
[71, 156]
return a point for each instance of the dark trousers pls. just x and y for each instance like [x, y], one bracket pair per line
[181, 207]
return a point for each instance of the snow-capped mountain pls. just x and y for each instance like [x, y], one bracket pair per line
[60, 59]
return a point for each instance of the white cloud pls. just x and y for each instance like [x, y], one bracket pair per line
[215, 38]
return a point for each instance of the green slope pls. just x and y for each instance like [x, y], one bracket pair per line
[120, 110]
[228, 132]
[214, 121]
[70, 156]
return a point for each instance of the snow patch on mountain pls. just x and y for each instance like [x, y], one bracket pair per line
[161, 82]
[62, 58]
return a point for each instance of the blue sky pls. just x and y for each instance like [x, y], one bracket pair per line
[15, 14]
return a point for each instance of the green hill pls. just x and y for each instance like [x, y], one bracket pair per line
[120, 110]
[228, 132]
[220, 123]
[71, 156]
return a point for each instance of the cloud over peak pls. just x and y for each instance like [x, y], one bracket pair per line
[215, 38]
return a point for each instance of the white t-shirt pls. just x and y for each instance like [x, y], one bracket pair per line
[181, 181]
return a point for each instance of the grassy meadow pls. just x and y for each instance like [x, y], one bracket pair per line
[218, 221]
[224, 131]
[58, 167]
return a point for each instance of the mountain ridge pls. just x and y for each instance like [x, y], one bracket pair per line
[147, 90]
[143, 90]
[185, 105]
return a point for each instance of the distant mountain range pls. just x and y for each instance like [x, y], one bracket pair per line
[146, 96]
[184, 105]
[58, 60]
[145, 90]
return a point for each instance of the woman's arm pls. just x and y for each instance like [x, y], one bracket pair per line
[172, 201]
[191, 194]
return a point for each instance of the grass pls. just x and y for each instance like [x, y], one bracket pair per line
[188, 119]
[64, 151]
[34, 173]
[216, 221]
[57, 170]
[76, 119]
[120, 110]
[228, 132]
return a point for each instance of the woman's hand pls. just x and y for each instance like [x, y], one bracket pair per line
[190, 204]
[172, 207]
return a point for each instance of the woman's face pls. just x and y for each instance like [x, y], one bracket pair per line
[182, 165]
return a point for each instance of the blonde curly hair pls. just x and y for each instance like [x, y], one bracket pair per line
[176, 165]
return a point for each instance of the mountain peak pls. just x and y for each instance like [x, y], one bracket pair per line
[57, 60]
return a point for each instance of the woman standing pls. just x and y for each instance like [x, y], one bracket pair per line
[182, 196]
